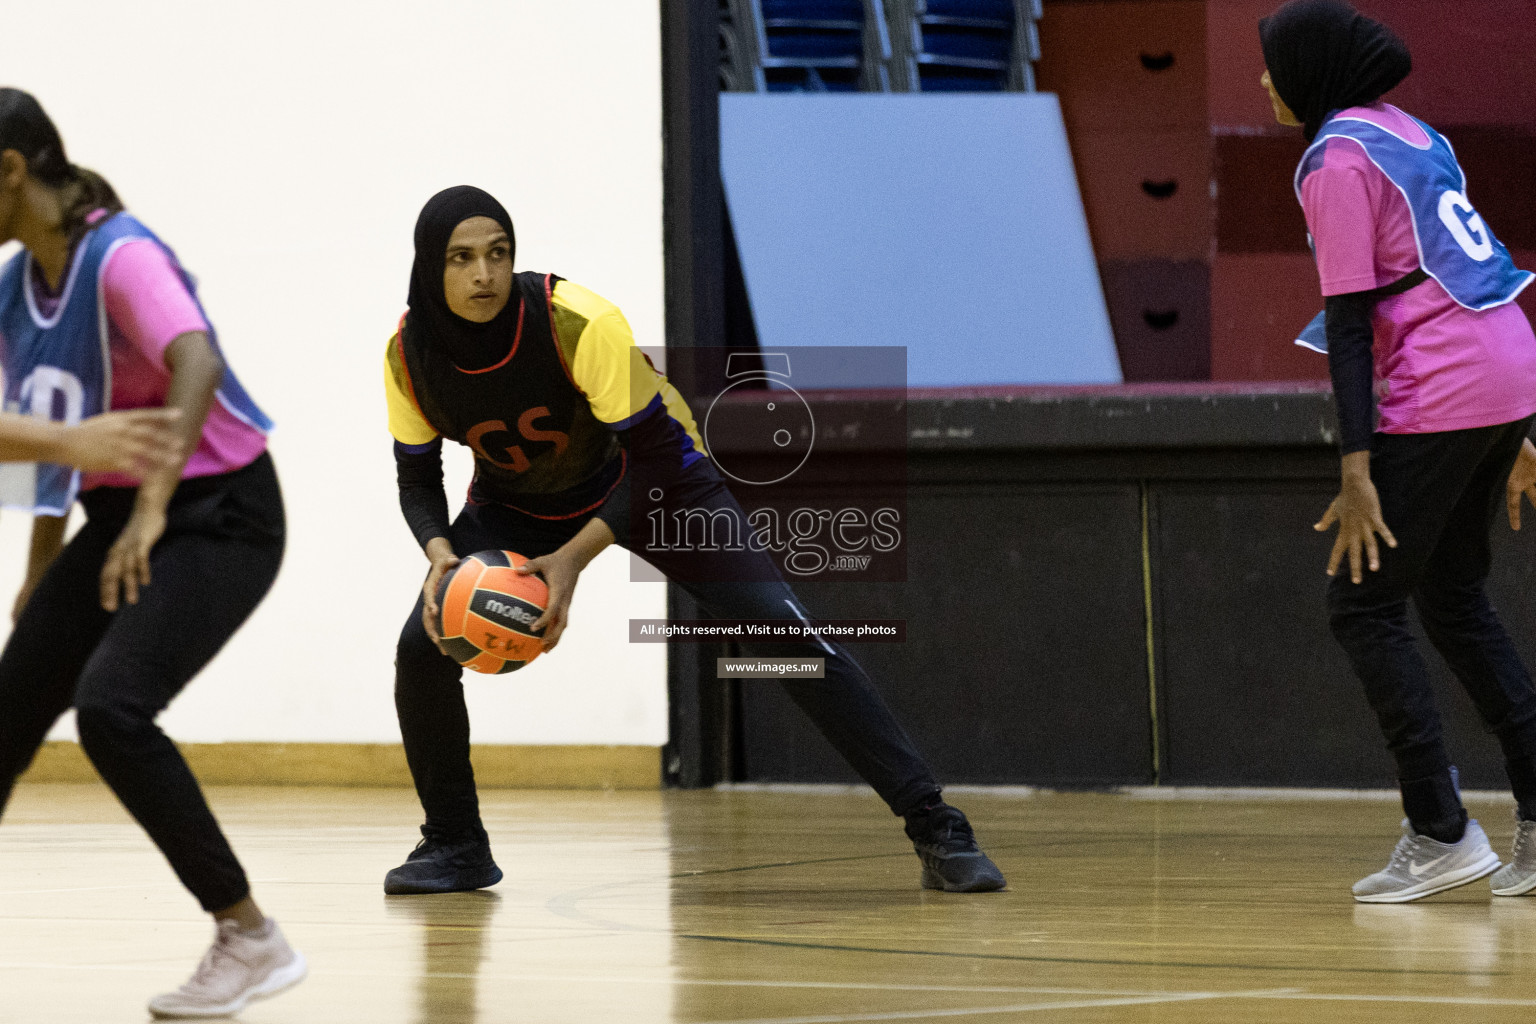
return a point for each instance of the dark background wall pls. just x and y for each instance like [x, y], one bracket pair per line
[1187, 177]
[1121, 586]
[1043, 543]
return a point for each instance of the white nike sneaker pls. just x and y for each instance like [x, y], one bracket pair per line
[238, 968]
[1421, 866]
[1518, 877]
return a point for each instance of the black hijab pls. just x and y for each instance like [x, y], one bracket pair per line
[1323, 55]
[430, 323]
[25, 128]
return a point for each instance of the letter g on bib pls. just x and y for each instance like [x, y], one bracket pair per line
[1471, 234]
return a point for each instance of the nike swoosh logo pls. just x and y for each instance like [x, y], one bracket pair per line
[1417, 870]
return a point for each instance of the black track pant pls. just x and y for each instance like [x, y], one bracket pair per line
[844, 706]
[1439, 496]
[217, 559]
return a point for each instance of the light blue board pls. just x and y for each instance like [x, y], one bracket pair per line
[950, 224]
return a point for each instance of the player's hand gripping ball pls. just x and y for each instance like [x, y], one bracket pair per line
[486, 611]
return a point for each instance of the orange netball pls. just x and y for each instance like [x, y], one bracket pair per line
[486, 611]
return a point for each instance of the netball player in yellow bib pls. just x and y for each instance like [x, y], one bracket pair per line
[541, 379]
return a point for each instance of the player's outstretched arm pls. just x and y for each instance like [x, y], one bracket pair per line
[136, 443]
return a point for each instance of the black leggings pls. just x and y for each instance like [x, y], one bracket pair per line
[1439, 496]
[217, 559]
[844, 706]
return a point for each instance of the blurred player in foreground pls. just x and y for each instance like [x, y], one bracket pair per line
[97, 315]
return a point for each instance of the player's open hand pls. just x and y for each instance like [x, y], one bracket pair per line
[443, 562]
[1357, 511]
[126, 570]
[1522, 480]
[560, 571]
[135, 443]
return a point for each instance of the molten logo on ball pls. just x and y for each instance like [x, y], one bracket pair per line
[516, 613]
[486, 613]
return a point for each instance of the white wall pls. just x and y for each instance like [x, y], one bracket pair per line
[284, 149]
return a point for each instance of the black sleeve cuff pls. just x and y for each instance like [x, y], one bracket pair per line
[615, 511]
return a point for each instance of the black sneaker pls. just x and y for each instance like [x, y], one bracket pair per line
[952, 861]
[444, 862]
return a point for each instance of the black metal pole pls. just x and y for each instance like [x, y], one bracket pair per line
[693, 242]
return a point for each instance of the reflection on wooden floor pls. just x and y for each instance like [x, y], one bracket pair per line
[791, 908]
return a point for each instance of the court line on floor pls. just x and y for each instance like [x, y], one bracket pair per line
[568, 979]
[1298, 794]
[984, 1011]
[567, 905]
[1115, 996]
[879, 986]
[1088, 961]
[1277, 794]
[1139, 837]
[1282, 993]
[1360, 997]
[1088, 839]
[766, 865]
[1099, 839]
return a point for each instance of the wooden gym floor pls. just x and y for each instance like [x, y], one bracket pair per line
[783, 907]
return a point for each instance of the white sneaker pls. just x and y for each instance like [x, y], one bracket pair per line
[238, 968]
[1421, 866]
[1518, 877]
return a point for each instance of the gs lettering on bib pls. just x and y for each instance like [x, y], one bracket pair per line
[513, 457]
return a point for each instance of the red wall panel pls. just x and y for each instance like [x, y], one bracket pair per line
[1256, 207]
[1259, 303]
[1236, 64]
[1161, 315]
[1526, 260]
[1147, 194]
[1122, 66]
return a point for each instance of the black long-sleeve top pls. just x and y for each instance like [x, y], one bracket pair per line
[1352, 360]
[654, 446]
[419, 475]
[1351, 364]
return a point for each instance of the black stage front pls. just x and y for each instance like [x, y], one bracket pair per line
[1107, 586]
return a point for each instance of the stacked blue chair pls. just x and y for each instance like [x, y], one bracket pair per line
[737, 70]
[810, 45]
[967, 45]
